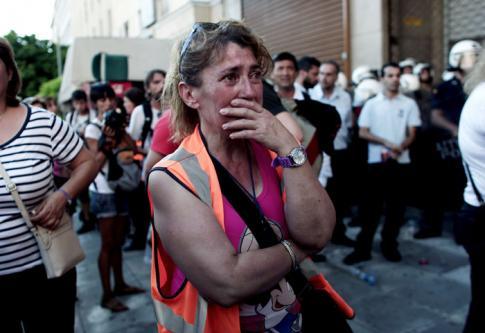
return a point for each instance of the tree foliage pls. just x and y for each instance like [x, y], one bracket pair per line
[36, 60]
[50, 88]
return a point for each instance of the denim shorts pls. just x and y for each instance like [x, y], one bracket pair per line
[106, 205]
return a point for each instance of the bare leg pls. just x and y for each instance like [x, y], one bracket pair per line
[105, 262]
[118, 233]
[106, 226]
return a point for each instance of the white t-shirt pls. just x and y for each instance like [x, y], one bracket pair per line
[389, 118]
[300, 88]
[79, 121]
[100, 183]
[341, 100]
[137, 120]
[471, 138]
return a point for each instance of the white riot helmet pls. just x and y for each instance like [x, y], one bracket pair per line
[365, 90]
[447, 75]
[419, 67]
[341, 80]
[408, 62]
[361, 73]
[463, 54]
[409, 83]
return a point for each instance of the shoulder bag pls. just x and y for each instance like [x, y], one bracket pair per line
[60, 248]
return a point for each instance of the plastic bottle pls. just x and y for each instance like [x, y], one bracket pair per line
[370, 279]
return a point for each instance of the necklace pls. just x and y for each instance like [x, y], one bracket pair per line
[250, 162]
[252, 195]
[253, 186]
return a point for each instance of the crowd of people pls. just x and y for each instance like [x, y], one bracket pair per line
[229, 121]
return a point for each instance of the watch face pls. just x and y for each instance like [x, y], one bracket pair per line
[298, 155]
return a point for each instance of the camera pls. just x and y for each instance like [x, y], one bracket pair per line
[116, 119]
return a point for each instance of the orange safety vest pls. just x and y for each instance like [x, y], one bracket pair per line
[187, 311]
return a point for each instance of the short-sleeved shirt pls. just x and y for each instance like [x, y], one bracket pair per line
[137, 121]
[100, 183]
[27, 158]
[162, 142]
[389, 118]
[79, 121]
[471, 138]
[341, 100]
[449, 97]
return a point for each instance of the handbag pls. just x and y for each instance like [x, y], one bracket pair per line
[322, 309]
[60, 248]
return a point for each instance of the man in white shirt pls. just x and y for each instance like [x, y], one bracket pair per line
[388, 122]
[338, 185]
[146, 115]
[307, 76]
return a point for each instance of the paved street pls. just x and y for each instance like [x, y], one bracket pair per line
[426, 293]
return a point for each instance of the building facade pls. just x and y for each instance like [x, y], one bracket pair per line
[352, 32]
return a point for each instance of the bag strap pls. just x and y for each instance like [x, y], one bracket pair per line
[474, 186]
[245, 207]
[12, 188]
[254, 219]
[147, 125]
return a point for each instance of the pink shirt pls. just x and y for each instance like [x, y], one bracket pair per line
[269, 200]
[161, 142]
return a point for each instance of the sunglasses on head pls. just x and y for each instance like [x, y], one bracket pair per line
[199, 26]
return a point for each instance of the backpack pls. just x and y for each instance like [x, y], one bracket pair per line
[147, 125]
[123, 172]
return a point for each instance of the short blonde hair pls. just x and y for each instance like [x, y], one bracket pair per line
[202, 48]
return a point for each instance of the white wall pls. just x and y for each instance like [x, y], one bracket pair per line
[367, 33]
[92, 18]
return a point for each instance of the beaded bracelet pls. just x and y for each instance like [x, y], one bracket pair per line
[65, 194]
[287, 245]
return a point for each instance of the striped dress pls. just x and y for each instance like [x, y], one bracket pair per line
[28, 158]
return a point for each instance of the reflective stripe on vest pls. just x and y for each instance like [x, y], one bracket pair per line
[174, 323]
[196, 175]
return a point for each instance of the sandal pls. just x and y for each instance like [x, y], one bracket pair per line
[127, 290]
[114, 305]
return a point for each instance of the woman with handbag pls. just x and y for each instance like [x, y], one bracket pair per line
[470, 227]
[30, 139]
[211, 271]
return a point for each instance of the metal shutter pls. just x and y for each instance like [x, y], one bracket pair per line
[312, 27]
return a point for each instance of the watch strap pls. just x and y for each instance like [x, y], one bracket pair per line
[283, 161]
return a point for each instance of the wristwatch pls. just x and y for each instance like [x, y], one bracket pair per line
[297, 157]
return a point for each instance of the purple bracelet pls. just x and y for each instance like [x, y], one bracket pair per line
[65, 194]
